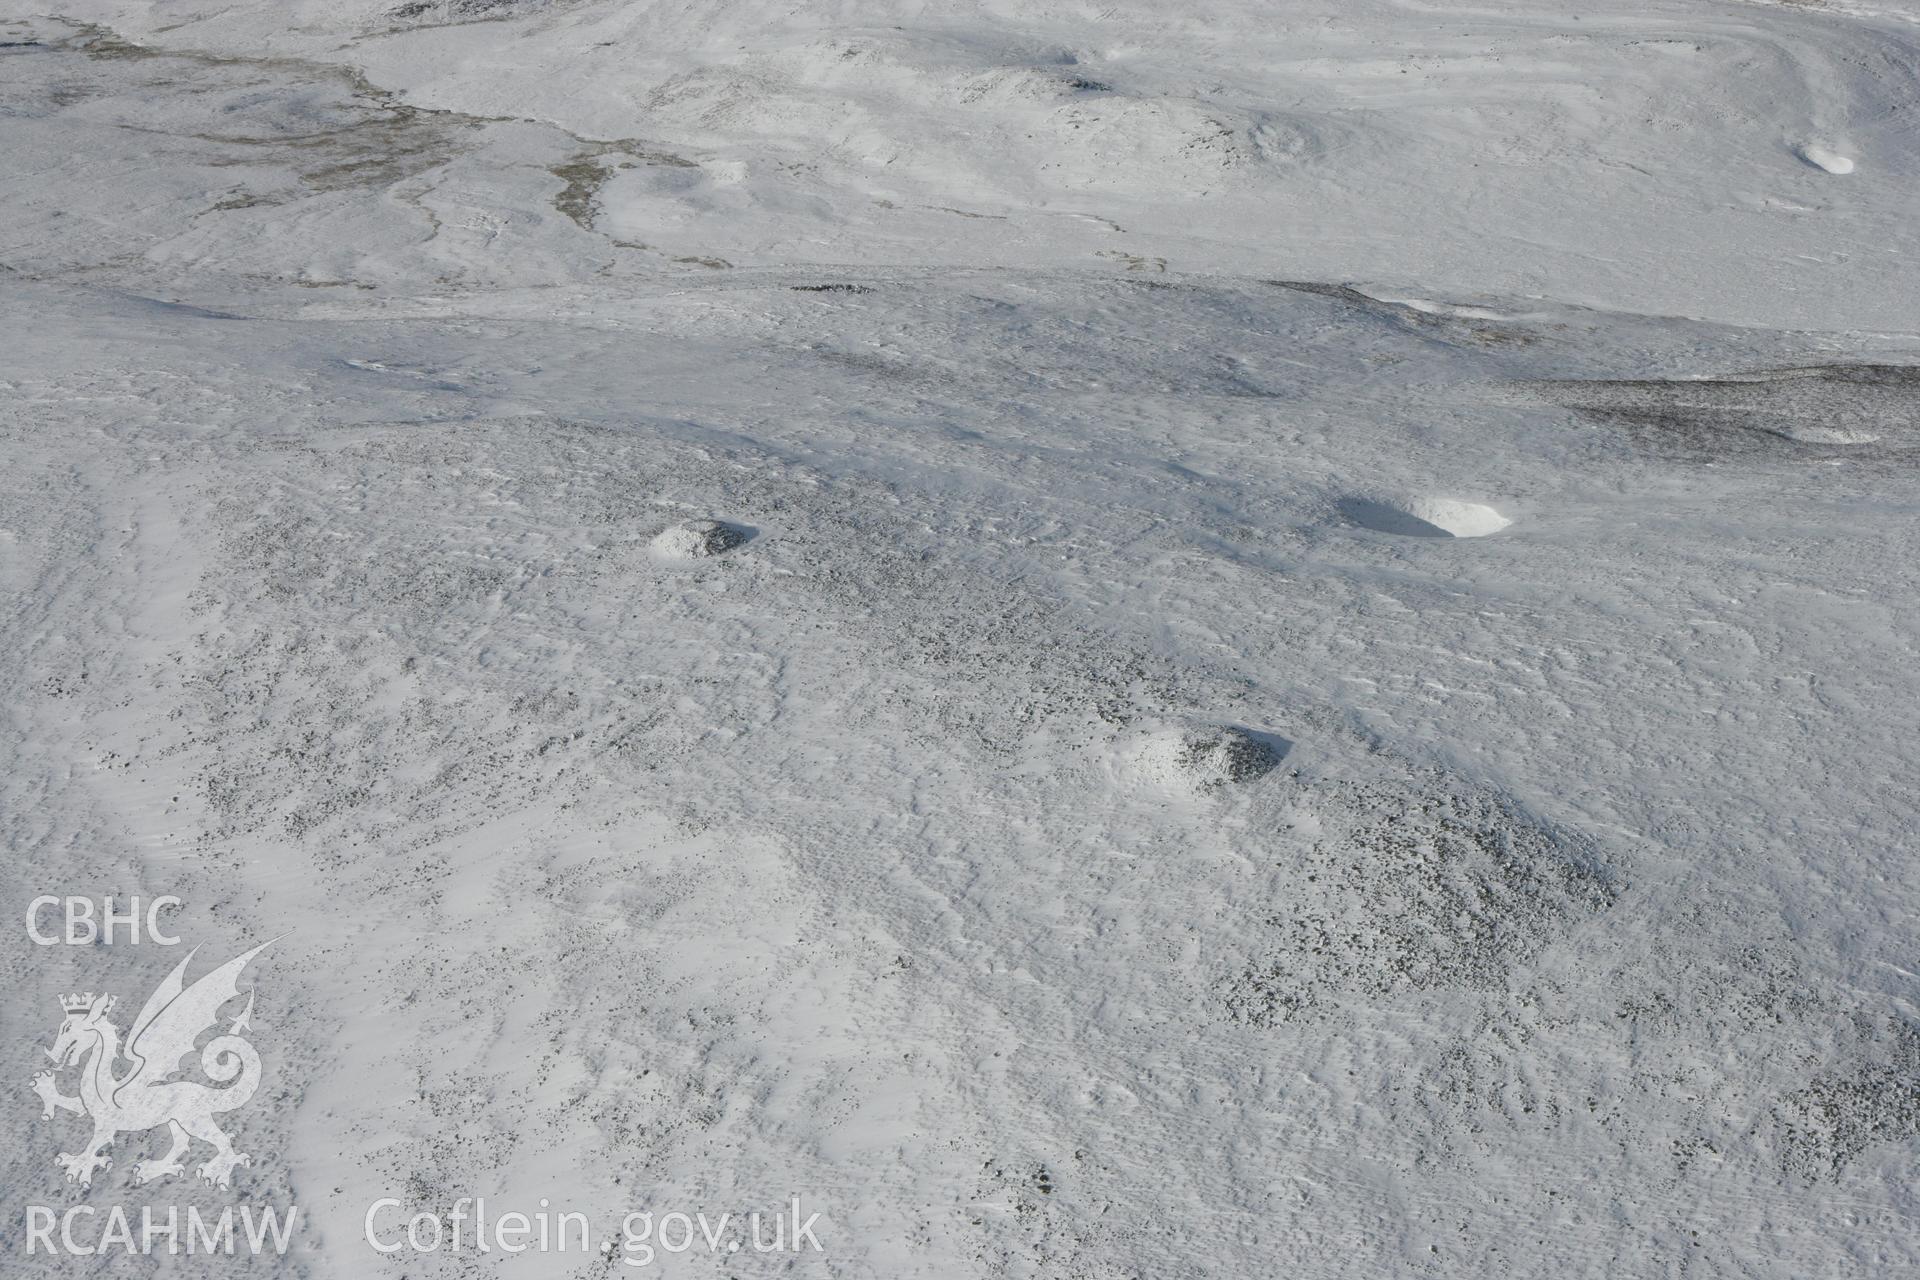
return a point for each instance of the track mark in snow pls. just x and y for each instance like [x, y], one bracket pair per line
[830, 288]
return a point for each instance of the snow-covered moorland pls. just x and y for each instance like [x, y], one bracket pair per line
[1253, 639]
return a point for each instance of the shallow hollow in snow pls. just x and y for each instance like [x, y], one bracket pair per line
[1425, 517]
[1826, 158]
[1204, 758]
[695, 539]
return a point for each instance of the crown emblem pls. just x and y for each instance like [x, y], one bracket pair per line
[77, 1003]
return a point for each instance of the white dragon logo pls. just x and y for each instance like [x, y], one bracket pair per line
[148, 1095]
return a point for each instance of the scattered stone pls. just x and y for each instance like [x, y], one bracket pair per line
[1394, 889]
